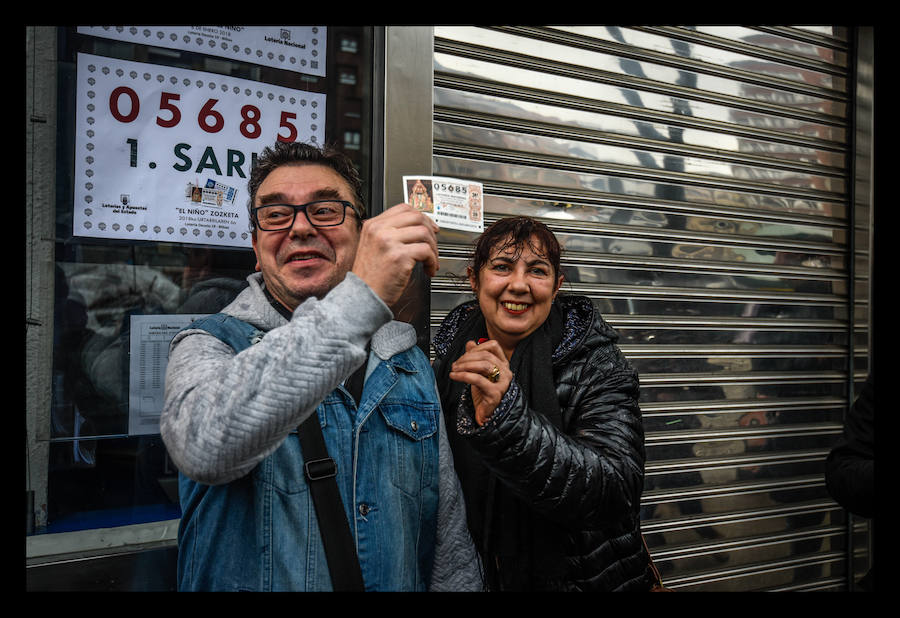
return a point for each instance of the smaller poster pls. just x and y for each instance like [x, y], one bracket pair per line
[451, 202]
[292, 48]
[149, 351]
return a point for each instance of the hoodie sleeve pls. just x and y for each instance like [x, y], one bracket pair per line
[457, 565]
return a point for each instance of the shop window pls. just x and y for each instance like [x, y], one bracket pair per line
[158, 128]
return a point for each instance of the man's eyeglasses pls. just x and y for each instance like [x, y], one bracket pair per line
[321, 213]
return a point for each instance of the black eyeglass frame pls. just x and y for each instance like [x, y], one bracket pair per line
[304, 207]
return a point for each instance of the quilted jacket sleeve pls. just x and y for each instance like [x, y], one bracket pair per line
[591, 474]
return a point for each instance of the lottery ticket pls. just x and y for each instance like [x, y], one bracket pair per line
[451, 202]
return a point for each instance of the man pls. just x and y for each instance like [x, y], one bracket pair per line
[327, 346]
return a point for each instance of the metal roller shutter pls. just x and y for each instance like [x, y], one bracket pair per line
[699, 180]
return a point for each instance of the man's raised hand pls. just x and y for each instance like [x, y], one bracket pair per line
[389, 247]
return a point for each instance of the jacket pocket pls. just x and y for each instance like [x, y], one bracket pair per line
[413, 433]
[283, 469]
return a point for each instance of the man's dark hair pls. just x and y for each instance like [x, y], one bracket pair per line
[515, 232]
[299, 153]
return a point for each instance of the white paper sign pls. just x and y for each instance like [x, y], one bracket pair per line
[451, 202]
[149, 347]
[293, 48]
[164, 154]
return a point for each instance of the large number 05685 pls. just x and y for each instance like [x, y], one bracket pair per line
[208, 118]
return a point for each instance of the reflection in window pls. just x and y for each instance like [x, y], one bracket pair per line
[352, 140]
[349, 44]
[347, 75]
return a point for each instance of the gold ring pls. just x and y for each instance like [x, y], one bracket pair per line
[494, 375]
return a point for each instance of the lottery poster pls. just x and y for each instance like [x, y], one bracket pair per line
[292, 48]
[451, 202]
[164, 153]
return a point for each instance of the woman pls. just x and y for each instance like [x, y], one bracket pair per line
[543, 419]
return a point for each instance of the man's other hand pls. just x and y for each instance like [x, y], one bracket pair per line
[389, 247]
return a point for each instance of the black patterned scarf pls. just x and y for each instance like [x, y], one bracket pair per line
[519, 547]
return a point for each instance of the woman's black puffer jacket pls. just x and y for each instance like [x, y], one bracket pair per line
[588, 478]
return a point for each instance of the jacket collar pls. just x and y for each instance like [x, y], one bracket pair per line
[579, 314]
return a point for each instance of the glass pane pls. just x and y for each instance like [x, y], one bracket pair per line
[105, 467]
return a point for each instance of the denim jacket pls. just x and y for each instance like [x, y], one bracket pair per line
[257, 529]
[260, 532]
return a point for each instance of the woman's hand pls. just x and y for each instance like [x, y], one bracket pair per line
[474, 368]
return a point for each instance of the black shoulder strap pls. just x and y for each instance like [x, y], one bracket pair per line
[320, 469]
[321, 475]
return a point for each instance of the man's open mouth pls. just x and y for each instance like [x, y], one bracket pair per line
[305, 256]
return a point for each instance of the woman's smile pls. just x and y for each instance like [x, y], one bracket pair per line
[515, 308]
